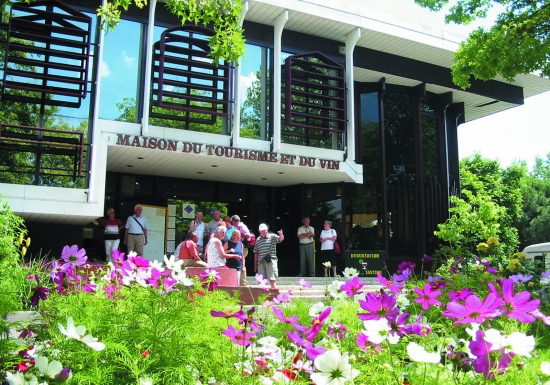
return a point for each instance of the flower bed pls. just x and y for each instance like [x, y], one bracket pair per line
[141, 322]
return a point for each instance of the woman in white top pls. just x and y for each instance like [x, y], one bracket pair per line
[327, 238]
[215, 254]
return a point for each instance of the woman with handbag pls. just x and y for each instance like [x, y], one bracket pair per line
[328, 256]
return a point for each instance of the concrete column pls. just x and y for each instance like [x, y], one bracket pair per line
[351, 40]
[278, 31]
[148, 68]
[236, 129]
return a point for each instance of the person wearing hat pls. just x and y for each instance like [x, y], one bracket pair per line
[265, 254]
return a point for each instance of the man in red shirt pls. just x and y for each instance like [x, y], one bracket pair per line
[189, 252]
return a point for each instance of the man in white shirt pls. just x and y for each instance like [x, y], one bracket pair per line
[135, 236]
[306, 237]
[197, 225]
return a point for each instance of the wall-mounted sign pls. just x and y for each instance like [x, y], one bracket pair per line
[224, 151]
[368, 262]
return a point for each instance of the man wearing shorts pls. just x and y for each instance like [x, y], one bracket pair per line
[265, 254]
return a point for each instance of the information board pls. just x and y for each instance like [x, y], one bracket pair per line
[368, 262]
[156, 220]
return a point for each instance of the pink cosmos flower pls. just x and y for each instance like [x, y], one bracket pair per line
[305, 283]
[378, 306]
[473, 310]
[312, 351]
[362, 341]
[488, 359]
[516, 306]
[317, 324]
[239, 337]
[292, 321]
[337, 330]
[388, 284]
[417, 327]
[73, 256]
[427, 296]
[406, 265]
[352, 287]
[460, 295]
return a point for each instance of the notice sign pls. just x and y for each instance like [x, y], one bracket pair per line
[368, 262]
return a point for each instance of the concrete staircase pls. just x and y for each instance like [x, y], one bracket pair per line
[319, 286]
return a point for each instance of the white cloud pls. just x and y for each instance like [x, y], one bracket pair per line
[245, 81]
[129, 60]
[104, 70]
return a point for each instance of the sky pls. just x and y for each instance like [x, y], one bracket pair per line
[520, 133]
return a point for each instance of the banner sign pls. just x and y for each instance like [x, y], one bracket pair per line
[224, 151]
[368, 262]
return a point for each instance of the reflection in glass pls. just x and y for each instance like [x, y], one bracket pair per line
[119, 71]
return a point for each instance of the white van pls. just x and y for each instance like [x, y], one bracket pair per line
[538, 252]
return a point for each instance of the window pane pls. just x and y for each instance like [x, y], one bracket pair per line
[119, 71]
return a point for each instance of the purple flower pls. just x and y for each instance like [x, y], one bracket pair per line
[516, 306]
[352, 287]
[488, 360]
[436, 282]
[73, 256]
[545, 278]
[210, 279]
[239, 337]
[317, 324]
[406, 265]
[337, 330]
[378, 306]
[417, 327]
[473, 309]
[427, 296]
[400, 279]
[311, 350]
[305, 283]
[427, 258]
[364, 344]
[292, 321]
[487, 265]
[460, 295]
[282, 298]
[395, 289]
[39, 293]
[521, 278]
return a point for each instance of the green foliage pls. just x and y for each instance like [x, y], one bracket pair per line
[12, 274]
[518, 42]
[535, 220]
[490, 206]
[222, 15]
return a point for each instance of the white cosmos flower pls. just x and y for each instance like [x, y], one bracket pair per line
[350, 272]
[145, 381]
[417, 353]
[49, 369]
[521, 344]
[378, 331]
[333, 369]
[496, 339]
[156, 265]
[173, 263]
[18, 378]
[316, 309]
[402, 301]
[79, 333]
[334, 290]
[545, 368]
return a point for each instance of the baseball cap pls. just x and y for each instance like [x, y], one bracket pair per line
[262, 227]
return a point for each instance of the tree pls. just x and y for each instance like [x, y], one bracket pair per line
[490, 206]
[535, 221]
[518, 42]
[223, 15]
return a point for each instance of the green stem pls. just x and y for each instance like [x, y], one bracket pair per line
[424, 374]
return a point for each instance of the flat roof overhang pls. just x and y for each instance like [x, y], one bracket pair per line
[403, 52]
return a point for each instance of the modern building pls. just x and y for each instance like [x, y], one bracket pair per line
[337, 111]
